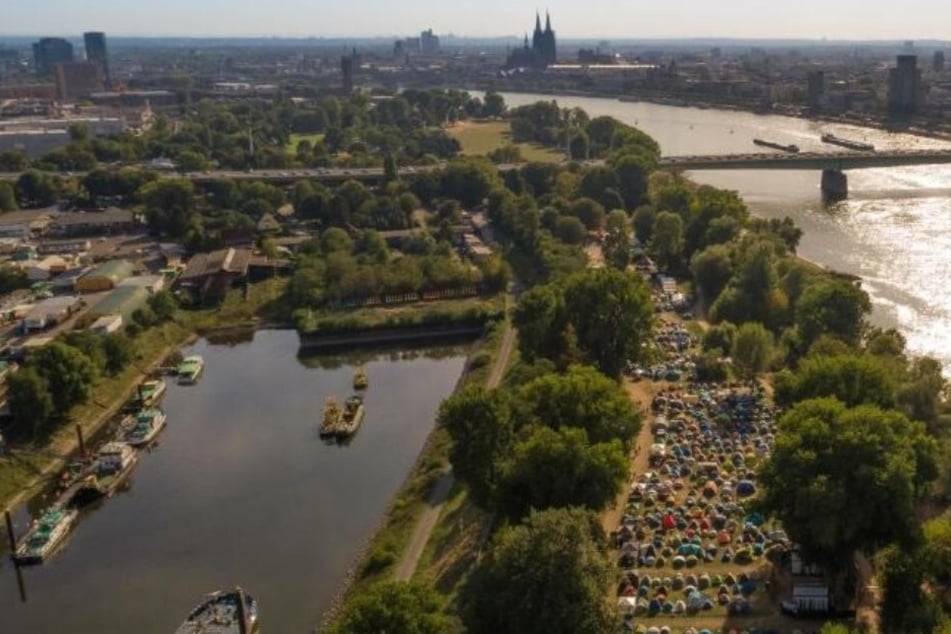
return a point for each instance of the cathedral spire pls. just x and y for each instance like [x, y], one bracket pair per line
[538, 22]
[547, 22]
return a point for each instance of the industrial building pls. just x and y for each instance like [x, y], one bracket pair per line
[123, 301]
[105, 277]
[50, 312]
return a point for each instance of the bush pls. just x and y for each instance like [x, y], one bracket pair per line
[480, 360]
[379, 560]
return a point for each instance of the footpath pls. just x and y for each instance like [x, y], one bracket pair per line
[443, 487]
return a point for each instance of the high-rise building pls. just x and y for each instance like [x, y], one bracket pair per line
[816, 95]
[98, 53]
[346, 69]
[906, 93]
[50, 51]
[938, 61]
[77, 79]
[428, 43]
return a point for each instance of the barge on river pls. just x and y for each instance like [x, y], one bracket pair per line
[233, 612]
[831, 139]
[792, 149]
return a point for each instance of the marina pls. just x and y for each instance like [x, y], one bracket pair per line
[240, 471]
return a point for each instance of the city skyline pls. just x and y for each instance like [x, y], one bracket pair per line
[742, 19]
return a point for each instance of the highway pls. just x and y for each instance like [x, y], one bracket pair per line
[815, 161]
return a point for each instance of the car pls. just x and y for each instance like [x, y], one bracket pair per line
[789, 608]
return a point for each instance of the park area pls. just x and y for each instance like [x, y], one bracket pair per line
[479, 138]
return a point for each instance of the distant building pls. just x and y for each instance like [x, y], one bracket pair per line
[817, 97]
[105, 277]
[50, 51]
[938, 64]
[346, 69]
[98, 53]
[428, 43]
[75, 80]
[543, 51]
[906, 94]
[98, 223]
[209, 275]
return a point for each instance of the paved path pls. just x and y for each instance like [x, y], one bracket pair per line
[440, 493]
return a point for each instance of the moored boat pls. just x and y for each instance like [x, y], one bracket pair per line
[231, 612]
[831, 139]
[151, 392]
[114, 462]
[352, 416]
[45, 534]
[360, 379]
[148, 424]
[190, 369]
[332, 418]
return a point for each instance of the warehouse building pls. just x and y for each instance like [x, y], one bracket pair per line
[105, 277]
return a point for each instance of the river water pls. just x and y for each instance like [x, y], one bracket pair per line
[894, 231]
[240, 490]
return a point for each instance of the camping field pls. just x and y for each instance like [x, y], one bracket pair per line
[478, 138]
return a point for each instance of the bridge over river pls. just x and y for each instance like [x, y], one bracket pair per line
[832, 165]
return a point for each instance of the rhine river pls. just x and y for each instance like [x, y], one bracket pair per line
[894, 231]
[240, 490]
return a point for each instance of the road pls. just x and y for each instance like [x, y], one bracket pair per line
[440, 493]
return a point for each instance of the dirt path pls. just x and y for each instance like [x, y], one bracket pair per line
[440, 493]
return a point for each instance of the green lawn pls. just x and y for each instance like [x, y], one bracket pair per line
[478, 138]
[297, 138]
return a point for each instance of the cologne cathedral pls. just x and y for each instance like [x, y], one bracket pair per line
[542, 51]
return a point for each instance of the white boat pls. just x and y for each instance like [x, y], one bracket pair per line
[223, 613]
[190, 369]
[148, 424]
[45, 534]
[114, 463]
[151, 392]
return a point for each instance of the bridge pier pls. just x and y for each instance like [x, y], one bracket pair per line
[835, 186]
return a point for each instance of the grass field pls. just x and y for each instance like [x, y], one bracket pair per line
[297, 138]
[481, 137]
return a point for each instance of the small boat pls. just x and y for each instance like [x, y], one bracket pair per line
[352, 416]
[792, 149]
[190, 369]
[831, 139]
[45, 534]
[151, 392]
[148, 424]
[360, 379]
[232, 612]
[332, 418]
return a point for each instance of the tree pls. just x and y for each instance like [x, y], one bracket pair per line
[752, 349]
[906, 609]
[643, 220]
[37, 189]
[469, 180]
[545, 576]
[667, 243]
[119, 351]
[570, 230]
[169, 204]
[493, 105]
[31, 403]
[164, 304]
[559, 468]
[480, 426]
[844, 480]
[852, 379]
[588, 211]
[712, 269]
[8, 200]
[581, 397]
[541, 322]
[617, 241]
[69, 373]
[394, 607]
[631, 172]
[835, 307]
[335, 240]
[190, 161]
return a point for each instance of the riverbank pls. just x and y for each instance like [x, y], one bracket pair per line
[381, 556]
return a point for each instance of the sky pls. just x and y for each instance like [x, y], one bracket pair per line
[811, 19]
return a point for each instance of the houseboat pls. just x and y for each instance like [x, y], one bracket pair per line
[352, 417]
[226, 612]
[151, 392]
[332, 418]
[148, 424]
[44, 536]
[190, 369]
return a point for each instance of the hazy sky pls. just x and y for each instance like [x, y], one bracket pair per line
[834, 19]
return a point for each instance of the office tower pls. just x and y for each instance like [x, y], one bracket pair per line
[905, 88]
[346, 67]
[75, 80]
[98, 53]
[428, 43]
[50, 51]
[939, 61]
[817, 98]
